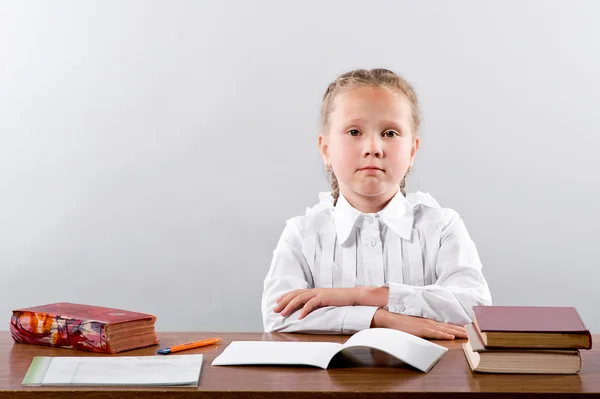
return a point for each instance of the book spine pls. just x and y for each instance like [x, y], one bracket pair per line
[58, 331]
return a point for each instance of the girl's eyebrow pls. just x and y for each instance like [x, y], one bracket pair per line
[389, 123]
[394, 125]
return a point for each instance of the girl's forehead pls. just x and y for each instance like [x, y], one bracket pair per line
[367, 101]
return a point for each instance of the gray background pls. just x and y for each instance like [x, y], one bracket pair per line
[151, 151]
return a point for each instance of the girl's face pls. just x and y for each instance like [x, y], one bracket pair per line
[369, 142]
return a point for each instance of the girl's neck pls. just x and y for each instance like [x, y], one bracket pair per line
[368, 204]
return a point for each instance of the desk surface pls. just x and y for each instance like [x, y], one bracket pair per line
[376, 374]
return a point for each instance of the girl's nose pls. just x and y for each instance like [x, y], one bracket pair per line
[373, 148]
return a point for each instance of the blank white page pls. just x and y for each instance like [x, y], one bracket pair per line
[417, 352]
[279, 353]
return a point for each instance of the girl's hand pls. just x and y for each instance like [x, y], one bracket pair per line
[313, 298]
[424, 328]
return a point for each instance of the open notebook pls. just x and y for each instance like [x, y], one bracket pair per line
[412, 350]
[172, 370]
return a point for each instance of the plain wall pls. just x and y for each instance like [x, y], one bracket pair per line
[151, 151]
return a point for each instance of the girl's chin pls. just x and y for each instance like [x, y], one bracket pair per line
[375, 190]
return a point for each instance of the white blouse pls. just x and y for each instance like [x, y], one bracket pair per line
[421, 251]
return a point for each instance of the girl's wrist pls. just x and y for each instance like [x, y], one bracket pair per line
[373, 296]
[379, 319]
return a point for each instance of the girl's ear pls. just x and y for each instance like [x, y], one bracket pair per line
[414, 149]
[324, 148]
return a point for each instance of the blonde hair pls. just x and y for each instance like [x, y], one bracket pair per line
[363, 77]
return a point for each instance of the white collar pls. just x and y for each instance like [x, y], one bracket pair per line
[397, 215]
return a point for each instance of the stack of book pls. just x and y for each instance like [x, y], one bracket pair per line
[526, 339]
[83, 327]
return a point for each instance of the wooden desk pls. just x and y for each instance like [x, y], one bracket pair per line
[376, 375]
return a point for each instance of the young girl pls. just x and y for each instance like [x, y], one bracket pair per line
[368, 255]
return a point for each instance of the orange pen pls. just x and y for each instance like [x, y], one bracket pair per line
[191, 345]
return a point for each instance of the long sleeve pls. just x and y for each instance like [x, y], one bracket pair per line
[290, 271]
[459, 286]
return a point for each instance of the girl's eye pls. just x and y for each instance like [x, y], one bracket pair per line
[353, 132]
[391, 134]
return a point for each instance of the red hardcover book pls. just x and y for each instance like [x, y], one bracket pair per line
[83, 327]
[548, 327]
